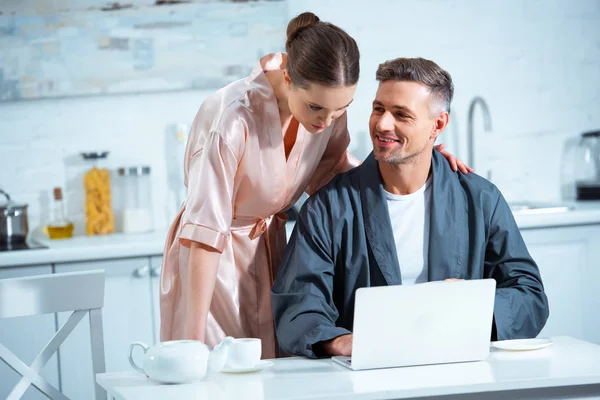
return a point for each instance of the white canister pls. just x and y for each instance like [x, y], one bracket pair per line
[135, 192]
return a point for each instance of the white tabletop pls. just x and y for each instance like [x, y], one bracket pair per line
[569, 367]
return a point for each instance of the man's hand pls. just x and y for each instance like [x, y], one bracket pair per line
[453, 280]
[339, 346]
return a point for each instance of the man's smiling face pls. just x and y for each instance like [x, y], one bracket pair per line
[401, 124]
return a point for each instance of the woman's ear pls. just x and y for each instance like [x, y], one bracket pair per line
[287, 79]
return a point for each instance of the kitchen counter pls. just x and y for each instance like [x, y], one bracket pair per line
[89, 248]
[86, 248]
[582, 213]
[121, 245]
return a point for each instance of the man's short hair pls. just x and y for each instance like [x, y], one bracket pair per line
[423, 71]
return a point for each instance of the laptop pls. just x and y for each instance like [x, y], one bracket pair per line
[430, 323]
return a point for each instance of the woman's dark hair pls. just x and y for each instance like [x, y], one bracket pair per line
[320, 52]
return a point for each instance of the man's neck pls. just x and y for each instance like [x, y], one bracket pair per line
[408, 177]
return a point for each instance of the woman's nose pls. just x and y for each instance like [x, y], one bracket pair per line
[325, 120]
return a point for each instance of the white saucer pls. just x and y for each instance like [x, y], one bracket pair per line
[522, 344]
[263, 364]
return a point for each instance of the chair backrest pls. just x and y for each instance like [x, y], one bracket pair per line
[80, 292]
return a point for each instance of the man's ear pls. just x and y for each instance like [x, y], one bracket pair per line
[287, 79]
[440, 124]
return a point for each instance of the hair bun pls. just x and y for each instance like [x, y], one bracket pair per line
[297, 25]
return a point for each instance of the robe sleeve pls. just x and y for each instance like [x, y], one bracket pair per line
[302, 295]
[521, 306]
[211, 171]
[336, 158]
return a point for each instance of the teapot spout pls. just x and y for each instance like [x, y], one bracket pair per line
[218, 356]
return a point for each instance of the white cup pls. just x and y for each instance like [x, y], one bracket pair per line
[244, 353]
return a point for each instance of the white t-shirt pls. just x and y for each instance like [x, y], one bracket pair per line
[409, 215]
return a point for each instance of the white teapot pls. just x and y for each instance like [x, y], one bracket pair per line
[181, 361]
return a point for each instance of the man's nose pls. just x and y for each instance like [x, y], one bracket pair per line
[385, 122]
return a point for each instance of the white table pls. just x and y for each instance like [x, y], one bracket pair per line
[568, 369]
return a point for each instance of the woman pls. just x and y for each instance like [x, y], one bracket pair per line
[254, 147]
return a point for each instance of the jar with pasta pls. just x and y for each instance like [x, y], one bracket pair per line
[99, 217]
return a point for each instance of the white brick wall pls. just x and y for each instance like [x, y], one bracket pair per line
[40, 142]
[536, 63]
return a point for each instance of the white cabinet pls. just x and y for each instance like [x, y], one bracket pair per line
[155, 264]
[26, 337]
[127, 317]
[569, 262]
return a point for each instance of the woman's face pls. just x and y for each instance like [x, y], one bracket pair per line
[317, 106]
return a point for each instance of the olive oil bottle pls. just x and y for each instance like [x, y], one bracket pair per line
[59, 227]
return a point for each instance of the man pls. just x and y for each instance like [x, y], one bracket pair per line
[402, 217]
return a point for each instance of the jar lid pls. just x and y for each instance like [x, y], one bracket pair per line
[591, 134]
[138, 170]
[94, 155]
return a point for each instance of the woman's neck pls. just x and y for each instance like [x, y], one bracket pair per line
[281, 94]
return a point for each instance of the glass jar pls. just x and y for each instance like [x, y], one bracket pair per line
[99, 216]
[135, 193]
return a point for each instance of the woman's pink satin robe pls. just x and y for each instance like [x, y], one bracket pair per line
[239, 183]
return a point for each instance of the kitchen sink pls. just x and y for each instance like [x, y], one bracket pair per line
[538, 208]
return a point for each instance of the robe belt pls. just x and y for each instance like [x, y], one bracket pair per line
[259, 226]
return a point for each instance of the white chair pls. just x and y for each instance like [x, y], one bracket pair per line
[80, 292]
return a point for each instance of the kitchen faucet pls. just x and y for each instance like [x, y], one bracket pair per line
[487, 120]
